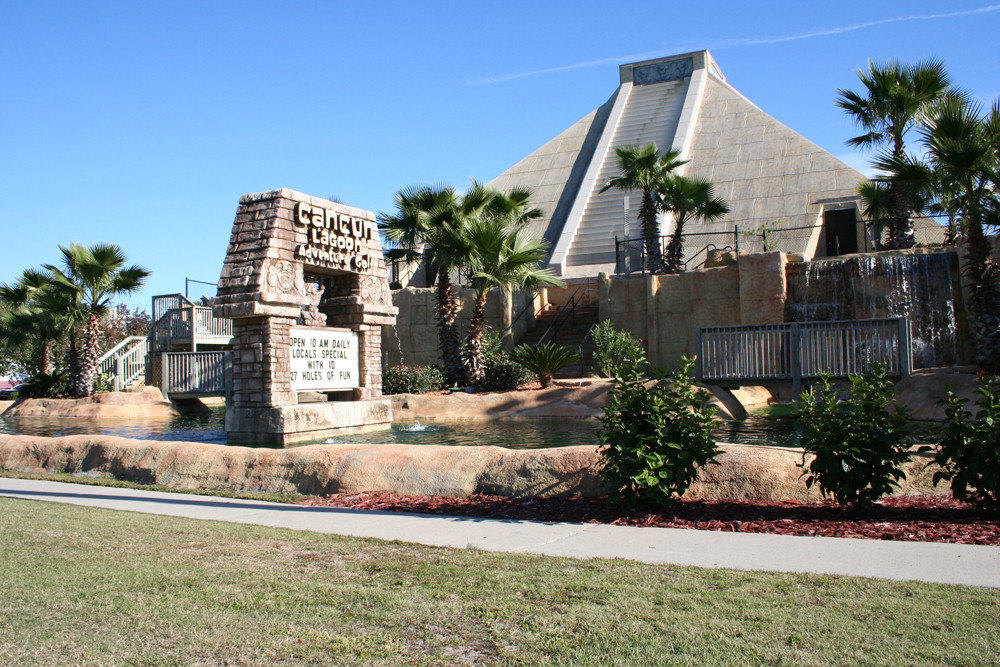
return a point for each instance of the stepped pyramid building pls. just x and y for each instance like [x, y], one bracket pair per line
[771, 177]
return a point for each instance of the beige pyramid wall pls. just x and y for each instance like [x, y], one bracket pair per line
[767, 173]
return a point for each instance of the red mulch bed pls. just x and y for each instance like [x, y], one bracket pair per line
[926, 518]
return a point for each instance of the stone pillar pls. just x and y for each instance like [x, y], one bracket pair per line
[288, 251]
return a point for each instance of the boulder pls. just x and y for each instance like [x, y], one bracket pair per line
[146, 402]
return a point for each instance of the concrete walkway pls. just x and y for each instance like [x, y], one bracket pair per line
[920, 561]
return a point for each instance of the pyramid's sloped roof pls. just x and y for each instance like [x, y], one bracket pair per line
[767, 173]
[553, 171]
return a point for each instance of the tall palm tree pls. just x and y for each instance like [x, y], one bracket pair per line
[644, 170]
[436, 219]
[504, 256]
[688, 199]
[35, 315]
[94, 276]
[962, 145]
[895, 98]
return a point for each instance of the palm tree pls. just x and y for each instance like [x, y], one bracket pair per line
[962, 146]
[35, 315]
[504, 255]
[895, 99]
[641, 169]
[688, 199]
[93, 276]
[436, 219]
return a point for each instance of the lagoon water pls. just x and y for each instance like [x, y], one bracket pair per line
[514, 434]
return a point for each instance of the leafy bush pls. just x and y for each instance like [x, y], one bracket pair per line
[103, 383]
[969, 452]
[411, 379]
[501, 373]
[545, 359]
[858, 446]
[611, 346]
[656, 437]
[46, 385]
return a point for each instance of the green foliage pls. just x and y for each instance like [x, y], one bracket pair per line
[103, 384]
[969, 452]
[411, 379]
[501, 373]
[656, 437]
[858, 446]
[46, 385]
[611, 346]
[545, 359]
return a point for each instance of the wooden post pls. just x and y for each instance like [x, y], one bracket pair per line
[119, 371]
[164, 369]
[699, 355]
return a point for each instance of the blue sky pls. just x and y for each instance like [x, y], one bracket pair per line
[143, 123]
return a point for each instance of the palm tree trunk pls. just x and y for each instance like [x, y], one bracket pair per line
[651, 233]
[675, 250]
[901, 233]
[45, 363]
[448, 343]
[84, 385]
[475, 369]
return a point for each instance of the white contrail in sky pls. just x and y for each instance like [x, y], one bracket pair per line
[739, 41]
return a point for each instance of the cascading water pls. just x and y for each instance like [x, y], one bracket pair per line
[920, 287]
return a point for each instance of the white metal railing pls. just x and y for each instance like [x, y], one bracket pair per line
[803, 350]
[126, 362]
[195, 372]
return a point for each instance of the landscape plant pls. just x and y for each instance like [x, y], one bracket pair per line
[92, 277]
[656, 434]
[969, 450]
[500, 371]
[857, 444]
[895, 98]
[545, 360]
[411, 379]
[643, 169]
[611, 346]
[688, 199]
[503, 255]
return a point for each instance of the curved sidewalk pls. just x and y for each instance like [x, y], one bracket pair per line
[969, 565]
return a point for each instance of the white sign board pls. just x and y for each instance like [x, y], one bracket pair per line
[324, 359]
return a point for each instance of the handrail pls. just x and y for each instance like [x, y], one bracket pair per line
[561, 315]
[125, 342]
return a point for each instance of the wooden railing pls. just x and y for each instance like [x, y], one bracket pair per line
[126, 362]
[193, 373]
[798, 351]
[178, 321]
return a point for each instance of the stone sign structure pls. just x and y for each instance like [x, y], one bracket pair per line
[305, 283]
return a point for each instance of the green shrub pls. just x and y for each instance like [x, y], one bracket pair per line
[411, 379]
[611, 346]
[969, 453]
[655, 437]
[46, 385]
[500, 372]
[858, 446]
[545, 359]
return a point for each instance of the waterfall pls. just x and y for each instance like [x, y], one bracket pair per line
[920, 287]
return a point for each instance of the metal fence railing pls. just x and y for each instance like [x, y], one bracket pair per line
[631, 255]
[800, 351]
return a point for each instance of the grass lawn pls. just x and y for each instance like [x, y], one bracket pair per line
[94, 587]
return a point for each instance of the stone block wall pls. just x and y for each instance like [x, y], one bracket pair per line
[664, 311]
[414, 339]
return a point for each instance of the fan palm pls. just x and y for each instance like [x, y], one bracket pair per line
[504, 255]
[436, 219]
[35, 315]
[962, 145]
[93, 276]
[688, 199]
[643, 170]
[895, 98]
